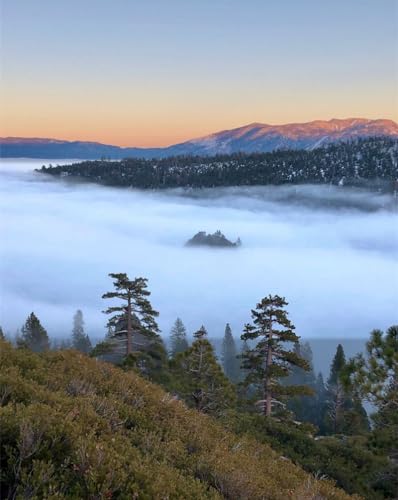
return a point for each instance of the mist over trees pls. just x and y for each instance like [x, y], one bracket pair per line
[178, 338]
[80, 341]
[229, 356]
[265, 388]
[306, 408]
[33, 335]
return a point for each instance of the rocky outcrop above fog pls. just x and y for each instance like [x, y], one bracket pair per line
[216, 239]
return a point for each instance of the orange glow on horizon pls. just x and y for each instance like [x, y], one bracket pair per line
[157, 119]
[118, 74]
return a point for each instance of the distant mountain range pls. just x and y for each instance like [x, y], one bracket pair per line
[256, 137]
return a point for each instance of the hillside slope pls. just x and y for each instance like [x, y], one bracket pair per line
[72, 427]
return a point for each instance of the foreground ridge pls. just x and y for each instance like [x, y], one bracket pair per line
[74, 427]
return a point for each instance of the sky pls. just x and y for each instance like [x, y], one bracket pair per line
[155, 72]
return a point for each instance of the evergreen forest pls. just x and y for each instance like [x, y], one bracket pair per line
[141, 415]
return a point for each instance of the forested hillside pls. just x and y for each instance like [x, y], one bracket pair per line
[368, 162]
[138, 421]
[78, 428]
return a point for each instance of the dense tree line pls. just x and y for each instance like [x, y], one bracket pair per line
[365, 162]
[264, 386]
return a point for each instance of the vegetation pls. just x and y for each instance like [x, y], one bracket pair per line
[344, 413]
[374, 377]
[369, 162]
[216, 239]
[134, 295]
[199, 378]
[33, 335]
[271, 360]
[229, 356]
[178, 338]
[306, 408]
[74, 427]
[80, 341]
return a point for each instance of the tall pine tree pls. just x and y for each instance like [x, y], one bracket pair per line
[134, 296]
[34, 335]
[178, 338]
[335, 395]
[271, 359]
[80, 341]
[229, 357]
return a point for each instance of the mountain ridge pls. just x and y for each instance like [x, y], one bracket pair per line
[250, 138]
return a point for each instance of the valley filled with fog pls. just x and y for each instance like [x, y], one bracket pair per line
[332, 252]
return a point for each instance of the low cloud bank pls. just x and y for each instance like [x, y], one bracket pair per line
[331, 252]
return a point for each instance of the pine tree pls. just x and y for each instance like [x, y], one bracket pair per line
[229, 357]
[178, 338]
[133, 294]
[33, 335]
[80, 341]
[374, 377]
[344, 412]
[335, 394]
[2, 336]
[200, 379]
[271, 359]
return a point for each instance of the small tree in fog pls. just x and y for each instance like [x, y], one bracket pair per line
[271, 359]
[229, 355]
[80, 341]
[2, 336]
[344, 412]
[33, 335]
[133, 294]
[178, 338]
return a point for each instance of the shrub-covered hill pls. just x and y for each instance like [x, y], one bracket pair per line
[73, 427]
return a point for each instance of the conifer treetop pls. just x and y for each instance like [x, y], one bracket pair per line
[201, 333]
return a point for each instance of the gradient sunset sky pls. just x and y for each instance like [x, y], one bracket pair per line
[152, 73]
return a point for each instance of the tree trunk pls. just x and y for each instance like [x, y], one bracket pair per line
[129, 349]
[267, 381]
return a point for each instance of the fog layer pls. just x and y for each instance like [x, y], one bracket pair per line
[331, 252]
